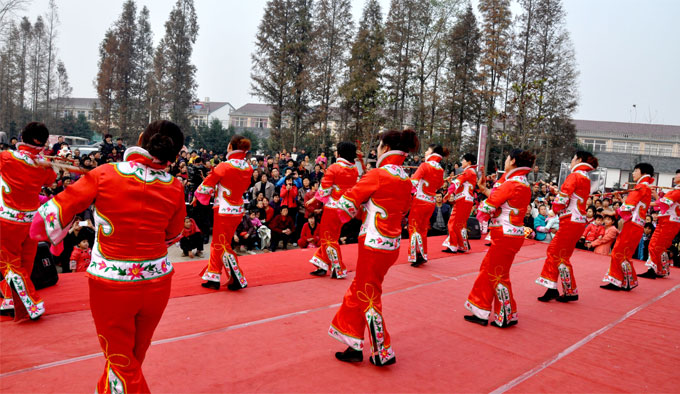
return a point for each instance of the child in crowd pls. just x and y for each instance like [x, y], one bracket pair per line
[553, 222]
[308, 236]
[642, 252]
[604, 244]
[191, 239]
[594, 230]
[81, 255]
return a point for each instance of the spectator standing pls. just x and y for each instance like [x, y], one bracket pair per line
[81, 255]
[440, 216]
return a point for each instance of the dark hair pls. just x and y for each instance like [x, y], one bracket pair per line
[107, 136]
[239, 142]
[523, 158]
[591, 207]
[645, 168]
[677, 171]
[198, 160]
[163, 140]
[587, 157]
[472, 158]
[598, 216]
[35, 133]
[404, 140]
[438, 149]
[347, 151]
[649, 225]
[612, 217]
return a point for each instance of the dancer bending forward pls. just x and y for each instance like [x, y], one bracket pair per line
[338, 178]
[667, 228]
[227, 182]
[507, 237]
[138, 211]
[385, 194]
[570, 204]
[426, 181]
[621, 274]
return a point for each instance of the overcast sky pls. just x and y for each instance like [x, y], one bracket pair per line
[627, 51]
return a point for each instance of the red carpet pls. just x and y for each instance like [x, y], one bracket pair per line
[273, 338]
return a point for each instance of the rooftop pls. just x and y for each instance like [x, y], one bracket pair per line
[254, 109]
[627, 130]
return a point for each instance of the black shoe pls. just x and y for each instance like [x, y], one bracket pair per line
[610, 286]
[350, 355]
[234, 286]
[550, 294]
[211, 285]
[319, 272]
[650, 274]
[7, 312]
[447, 250]
[419, 261]
[379, 364]
[509, 324]
[475, 319]
[567, 298]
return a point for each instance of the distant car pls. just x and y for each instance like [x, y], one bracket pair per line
[86, 149]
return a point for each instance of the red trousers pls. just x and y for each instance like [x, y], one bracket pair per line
[362, 305]
[658, 245]
[328, 256]
[457, 239]
[493, 280]
[557, 264]
[17, 253]
[125, 317]
[221, 253]
[621, 271]
[418, 225]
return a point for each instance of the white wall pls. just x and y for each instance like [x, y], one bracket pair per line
[665, 179]
[613, 175]
[222, 114]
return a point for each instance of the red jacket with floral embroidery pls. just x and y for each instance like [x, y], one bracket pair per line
[138, 211]
[20, 183]
[429, 177]
[464, 184]
[228, 181]
[573, 196]
[339, 177]
[638, 200]
[669, 205]
[384, 194]
[507, 204]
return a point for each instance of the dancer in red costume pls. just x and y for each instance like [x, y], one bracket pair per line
[138, 211]
[667, 228]
[621, 274]
[570, 204]
[228, 181]
[507, 237]
[382, 197]
[426, 181]
[464, 188]
[20, 181]
[338, 178]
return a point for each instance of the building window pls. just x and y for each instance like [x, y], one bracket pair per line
[261, 123]
[81, 113]
[89, 115]
[626, 147]
[658, 149]
[239, 121]
[595, 145]
[67, 113]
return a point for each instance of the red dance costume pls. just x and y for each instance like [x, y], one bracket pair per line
[507, 237]
[570, 204]
[382, 197]
[228, 181]
[633, 211]
[426, 181]
[464, 188]
[338, 178]
[20, 183]
[667, 228]
[138, 212]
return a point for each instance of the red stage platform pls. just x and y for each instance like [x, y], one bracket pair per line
[271, 337]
